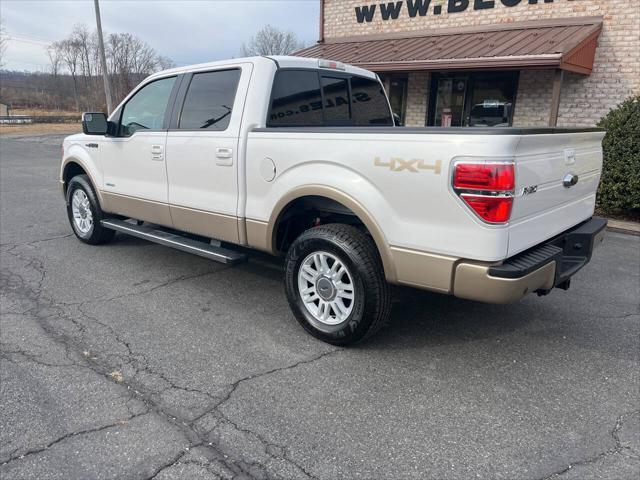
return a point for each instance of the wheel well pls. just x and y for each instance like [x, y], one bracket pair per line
[71, 170]
[309, 211]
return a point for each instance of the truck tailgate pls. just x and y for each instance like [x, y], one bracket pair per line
[546, 204]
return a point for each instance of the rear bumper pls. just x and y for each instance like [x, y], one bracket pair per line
[539, 269]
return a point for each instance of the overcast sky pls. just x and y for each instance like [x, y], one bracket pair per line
[187, 31]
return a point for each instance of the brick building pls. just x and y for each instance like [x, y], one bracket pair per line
[490, 62]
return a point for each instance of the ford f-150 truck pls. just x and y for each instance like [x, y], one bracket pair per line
[301, 158]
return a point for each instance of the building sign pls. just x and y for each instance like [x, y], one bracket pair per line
[421, 8]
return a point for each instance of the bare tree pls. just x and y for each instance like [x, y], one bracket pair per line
[271, 41]
[70, 52]
[4, 40]
[165, 63]
[55, 87]
[75, 70]
[54, 59]
[82, 37]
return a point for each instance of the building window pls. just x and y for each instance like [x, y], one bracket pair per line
[396, 85]
[475, 99]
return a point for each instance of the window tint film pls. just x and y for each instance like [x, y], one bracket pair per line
[296, 99]
[209, 100]
[369, 104]
[146, 109]
[336, 100]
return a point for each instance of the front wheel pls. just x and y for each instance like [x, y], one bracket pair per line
[84, 212]
[335, 284]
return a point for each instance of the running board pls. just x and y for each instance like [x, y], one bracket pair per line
[168, 239]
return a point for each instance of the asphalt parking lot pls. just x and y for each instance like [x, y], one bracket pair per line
[132, 360]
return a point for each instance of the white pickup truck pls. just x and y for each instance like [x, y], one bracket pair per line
[300, 157]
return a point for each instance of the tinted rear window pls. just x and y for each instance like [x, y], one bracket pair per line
[296, 99]
[209, 100]
[348, 100]
[369, 103]
[336, 100]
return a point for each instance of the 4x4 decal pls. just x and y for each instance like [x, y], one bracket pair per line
[397, 164]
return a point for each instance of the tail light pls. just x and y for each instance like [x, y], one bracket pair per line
[480, 176]
[486, 188]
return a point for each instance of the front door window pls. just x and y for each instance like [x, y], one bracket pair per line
[147, 108]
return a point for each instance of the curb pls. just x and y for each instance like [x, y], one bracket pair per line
[619, 226]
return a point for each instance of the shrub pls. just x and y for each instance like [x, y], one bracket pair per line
[619, 190]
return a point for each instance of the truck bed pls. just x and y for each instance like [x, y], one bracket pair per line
[416, 207]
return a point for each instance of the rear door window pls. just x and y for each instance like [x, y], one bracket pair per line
[208, 103]
[369, 103]
[296, 99]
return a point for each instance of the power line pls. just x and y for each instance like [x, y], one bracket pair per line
[21, 39]
[28, 36]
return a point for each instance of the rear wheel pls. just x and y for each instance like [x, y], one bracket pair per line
[335, 284]
[84, 212]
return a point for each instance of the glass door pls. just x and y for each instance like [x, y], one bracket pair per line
[449, 107]
[475, 99]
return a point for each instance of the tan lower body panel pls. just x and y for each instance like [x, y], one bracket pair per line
[473, 282]
[423, 270]
[207, 224]
[147, 210]
[466, 279]
[257, 234]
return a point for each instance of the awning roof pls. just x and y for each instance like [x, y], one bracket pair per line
[568, 44]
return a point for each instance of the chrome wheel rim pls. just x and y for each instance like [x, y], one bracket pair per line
[81, 209]
[326, 288]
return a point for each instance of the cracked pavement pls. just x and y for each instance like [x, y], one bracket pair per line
[132, 360]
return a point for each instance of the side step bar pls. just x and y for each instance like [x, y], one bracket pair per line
[168, 239]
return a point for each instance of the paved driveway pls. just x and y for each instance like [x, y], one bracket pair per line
[135, 361]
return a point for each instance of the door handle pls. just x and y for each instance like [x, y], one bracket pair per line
[157, 152]
[224, 156]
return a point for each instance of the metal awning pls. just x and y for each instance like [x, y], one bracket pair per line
[567, 44]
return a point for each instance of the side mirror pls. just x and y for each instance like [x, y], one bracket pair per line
[94, 123]
[396, 120]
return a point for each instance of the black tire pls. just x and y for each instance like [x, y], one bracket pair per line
[357, 251]
[97, 234]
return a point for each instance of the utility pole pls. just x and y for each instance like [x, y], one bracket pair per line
[103, 60]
